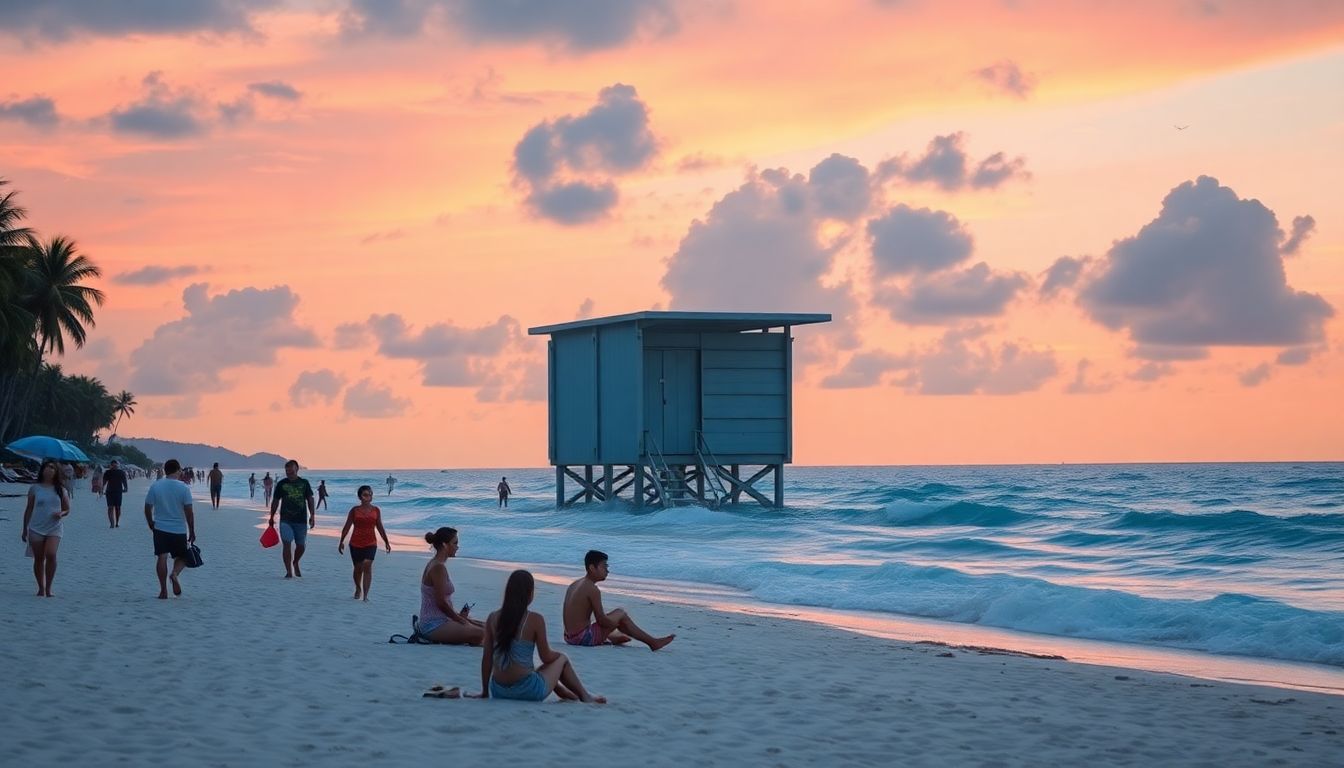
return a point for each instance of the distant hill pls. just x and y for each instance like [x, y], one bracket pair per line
[202, 456]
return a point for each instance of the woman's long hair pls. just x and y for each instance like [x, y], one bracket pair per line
[55, 476]
[517, 596]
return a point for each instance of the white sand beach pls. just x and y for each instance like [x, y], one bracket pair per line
[247, 668]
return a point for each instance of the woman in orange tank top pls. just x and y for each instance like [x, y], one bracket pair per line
[365, 519]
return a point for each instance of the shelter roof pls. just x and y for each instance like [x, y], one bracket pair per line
[722, 322]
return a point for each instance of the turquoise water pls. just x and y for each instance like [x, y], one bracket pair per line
[1240, 559]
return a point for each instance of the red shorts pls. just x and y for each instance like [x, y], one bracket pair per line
[593, 634]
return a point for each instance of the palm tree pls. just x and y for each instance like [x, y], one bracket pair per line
[123, 404]
[60, 305]
[17, 347]
[15, 322]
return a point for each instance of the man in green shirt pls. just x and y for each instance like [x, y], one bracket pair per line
[292, 496]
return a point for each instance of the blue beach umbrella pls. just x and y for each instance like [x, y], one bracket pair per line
[39, 447]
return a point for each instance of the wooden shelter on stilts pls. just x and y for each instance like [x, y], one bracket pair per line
[682, 407]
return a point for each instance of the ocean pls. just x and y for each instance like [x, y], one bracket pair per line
[1242, 560]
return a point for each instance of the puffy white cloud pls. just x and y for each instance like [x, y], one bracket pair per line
[952, 295]
[840, 186]
[1007, 77]
[756, 251]
[365, 399]
[946, 165]
[1061, 275]
[909, 240]
[1206, 272]
[246, 326]
[155, 274]
[311, 386]
[62, 19]
[1303, 226]
[36, 111]
[566, 164]
[959, 363]
[450, 356]
[578, 25]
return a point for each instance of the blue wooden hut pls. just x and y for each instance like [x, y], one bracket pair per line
[673, 405]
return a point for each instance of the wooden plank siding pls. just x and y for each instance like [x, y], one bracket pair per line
[575, 383]
[744, 390]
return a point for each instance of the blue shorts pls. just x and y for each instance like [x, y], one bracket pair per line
[295, 532]
[530, 688]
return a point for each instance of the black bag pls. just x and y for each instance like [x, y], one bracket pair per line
[416, 638]
[193, 557]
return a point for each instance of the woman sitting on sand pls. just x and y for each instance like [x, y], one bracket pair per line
[43, 523]
[512, 635]
[438, 621]
[366, 519]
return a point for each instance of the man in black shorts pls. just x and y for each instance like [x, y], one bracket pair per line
[114, 485]
[169, 514]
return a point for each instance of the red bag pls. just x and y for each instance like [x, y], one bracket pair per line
[270, 537]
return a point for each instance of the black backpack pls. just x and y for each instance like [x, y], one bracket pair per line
[416, 638]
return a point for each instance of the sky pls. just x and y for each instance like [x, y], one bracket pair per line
[1048, 231]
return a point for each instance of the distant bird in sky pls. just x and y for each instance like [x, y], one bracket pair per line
[1180, 127]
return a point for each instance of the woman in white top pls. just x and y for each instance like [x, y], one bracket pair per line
[48, 505]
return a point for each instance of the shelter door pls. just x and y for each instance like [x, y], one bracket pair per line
[672, 398]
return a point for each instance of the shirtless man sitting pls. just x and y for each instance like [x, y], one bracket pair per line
[583, 603]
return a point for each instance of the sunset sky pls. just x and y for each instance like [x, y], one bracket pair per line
[1048, 230]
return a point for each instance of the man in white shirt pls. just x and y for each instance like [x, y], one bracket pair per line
[169, 514]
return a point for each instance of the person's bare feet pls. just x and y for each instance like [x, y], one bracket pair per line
[356, 596]
[177, 587]
[661, 642]
[296, 571]
[366, 598]
[163, 595]
[591, 699]
[289, 575]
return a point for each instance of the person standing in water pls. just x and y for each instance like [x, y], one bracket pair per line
[366, 519]
[266, 485]
[216, 485]
[391, 481]
[322, 494]
[252, 486]
[504, 491]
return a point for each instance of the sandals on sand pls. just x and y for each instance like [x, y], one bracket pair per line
[440, 692]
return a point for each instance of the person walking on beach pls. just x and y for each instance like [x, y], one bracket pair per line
[391, 481]
[293, 496]
[96, 483]
[513, 635]
[266, 485]
[114, 485]
[216, 485]
[504, 491]
[252, 486]
[438, 620]
[583, 601]
[168, 511]
[322, 494]
[68, 479]
[44, 522]
[365, 519]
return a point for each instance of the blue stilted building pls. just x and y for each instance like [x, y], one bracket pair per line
[681, 407]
